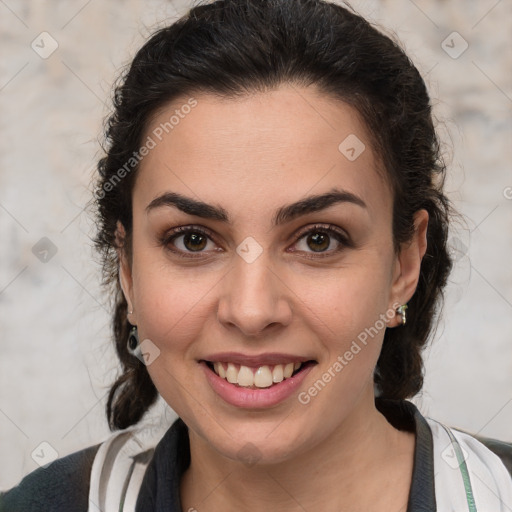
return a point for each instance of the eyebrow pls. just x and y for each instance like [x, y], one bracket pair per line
[282, 215]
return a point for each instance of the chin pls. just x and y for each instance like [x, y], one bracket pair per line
[271, 443]
[260, 452]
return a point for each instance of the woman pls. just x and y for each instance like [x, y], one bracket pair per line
[272, 219]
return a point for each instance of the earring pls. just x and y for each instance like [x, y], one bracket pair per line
[401, 311]
[133, 343]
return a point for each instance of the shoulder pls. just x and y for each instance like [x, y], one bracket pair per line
[61, 486]
[487, 446]
[501, 448]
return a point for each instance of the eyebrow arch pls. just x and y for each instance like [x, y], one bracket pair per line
[283, 214]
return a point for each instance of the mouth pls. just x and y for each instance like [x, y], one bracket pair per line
[257, 377]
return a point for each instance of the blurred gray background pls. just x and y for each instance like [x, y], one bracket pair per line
[58, 61]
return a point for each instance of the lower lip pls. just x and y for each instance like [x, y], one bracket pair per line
[254, 398]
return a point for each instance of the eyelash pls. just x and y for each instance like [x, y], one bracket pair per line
[167, 238]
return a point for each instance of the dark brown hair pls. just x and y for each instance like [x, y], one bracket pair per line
[234, 47]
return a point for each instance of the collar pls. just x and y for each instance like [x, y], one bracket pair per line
[160, 490]
[404, 415]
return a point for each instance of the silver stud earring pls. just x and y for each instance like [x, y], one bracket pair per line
[401, 311]
[133, 344]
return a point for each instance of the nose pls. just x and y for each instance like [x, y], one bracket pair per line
[254, 299]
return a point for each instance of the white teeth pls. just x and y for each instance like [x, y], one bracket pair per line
[263, 377]
[231, 373]
[288, 370]
[219, 370]
[277, 373]
[245, 377]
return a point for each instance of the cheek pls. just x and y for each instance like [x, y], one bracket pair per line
[170, 309]
[347, 300]
[346, 311]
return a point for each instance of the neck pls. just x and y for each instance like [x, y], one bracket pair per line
[349, 470]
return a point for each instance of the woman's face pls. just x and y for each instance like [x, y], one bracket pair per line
[259, 281]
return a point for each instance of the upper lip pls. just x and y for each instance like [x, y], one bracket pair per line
[270, 358]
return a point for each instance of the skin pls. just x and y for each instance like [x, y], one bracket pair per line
[252, 155]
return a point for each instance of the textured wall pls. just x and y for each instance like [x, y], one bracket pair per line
[56, 361]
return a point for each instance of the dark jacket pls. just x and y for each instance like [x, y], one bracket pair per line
[64, 485]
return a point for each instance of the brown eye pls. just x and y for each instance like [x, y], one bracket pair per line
[318, 241]
[319, 238]
[184, 241]
[194, 241]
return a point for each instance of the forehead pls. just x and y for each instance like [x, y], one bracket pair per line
[261, 149]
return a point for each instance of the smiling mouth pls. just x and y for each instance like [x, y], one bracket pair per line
[264, 376]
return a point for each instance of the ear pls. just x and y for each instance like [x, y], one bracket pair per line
[125, 271]
[408, 263]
